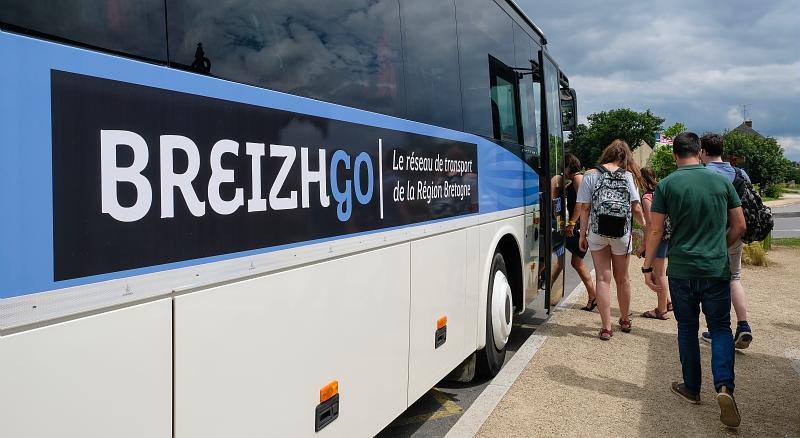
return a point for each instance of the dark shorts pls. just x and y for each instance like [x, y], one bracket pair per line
[661, 251]
[572, 243]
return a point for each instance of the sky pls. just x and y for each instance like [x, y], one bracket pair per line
[695, 62]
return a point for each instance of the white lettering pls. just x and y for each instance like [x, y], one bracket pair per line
[276, 202]
[111, 175]
[220, 175]
[320, 177]
[183, 181]
[256, 202]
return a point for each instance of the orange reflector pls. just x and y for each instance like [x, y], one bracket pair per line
[441, 322]
[328, 391]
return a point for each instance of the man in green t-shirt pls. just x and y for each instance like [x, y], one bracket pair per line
[700, 204]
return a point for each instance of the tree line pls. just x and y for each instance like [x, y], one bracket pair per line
[761, 157]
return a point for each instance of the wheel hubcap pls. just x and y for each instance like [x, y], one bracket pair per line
[502, 310]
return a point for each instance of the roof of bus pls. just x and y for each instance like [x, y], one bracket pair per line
[527, 19]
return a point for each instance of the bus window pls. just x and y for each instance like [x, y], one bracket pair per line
[348, 55]
[525, 50]
[133, 28]
[431, 62]
[505, 99]
[483, 29]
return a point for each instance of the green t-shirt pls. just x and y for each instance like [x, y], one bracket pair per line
[697, 201]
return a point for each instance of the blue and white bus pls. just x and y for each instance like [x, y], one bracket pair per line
[267, 218]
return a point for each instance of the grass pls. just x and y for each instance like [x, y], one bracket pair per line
[754, 254]
[791, 242]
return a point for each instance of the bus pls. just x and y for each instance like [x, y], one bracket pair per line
[267, 218]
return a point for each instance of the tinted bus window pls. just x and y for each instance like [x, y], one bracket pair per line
[505, 102]
[136, 28]
[483, 30]
[524, 52]
[431, 62]
[347, 51]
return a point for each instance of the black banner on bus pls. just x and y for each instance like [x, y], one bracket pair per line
[145, 176]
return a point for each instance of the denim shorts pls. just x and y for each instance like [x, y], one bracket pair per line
[661, 251]
[619, 245]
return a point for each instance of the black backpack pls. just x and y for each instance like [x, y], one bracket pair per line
[610, 213]
[757, 216]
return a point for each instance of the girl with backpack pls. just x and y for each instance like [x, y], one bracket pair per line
[664, 305]
[608, 199]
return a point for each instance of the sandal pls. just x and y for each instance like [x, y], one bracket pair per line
[655, 314]
[624, 325]
[605, 335]
[590, 305]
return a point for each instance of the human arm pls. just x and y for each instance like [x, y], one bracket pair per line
[636, 207]
[652, 238]
[736, 225]
[583, 244]
[638, 214]
[577, 179]
[647, 201]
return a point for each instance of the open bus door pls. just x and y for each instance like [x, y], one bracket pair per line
[552, 182]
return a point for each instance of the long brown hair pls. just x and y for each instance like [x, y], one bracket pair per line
[619, 153]
[649, 181]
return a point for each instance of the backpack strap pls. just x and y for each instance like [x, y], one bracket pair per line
[602, 169]
[739, 182]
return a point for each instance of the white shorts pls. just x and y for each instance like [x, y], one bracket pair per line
[619, 245]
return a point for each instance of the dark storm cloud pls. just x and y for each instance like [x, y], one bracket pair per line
[694, 62]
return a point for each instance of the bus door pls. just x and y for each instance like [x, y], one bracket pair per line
[530, 90]
[552, 182]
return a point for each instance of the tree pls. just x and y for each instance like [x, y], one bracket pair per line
[661, 161]
[674, 130]
[587, 142]
[793, 172]
[761, 157]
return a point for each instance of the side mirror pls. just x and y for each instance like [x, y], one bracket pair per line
[569, 109]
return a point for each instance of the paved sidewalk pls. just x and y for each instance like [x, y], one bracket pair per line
[786, 200]
[577, 385]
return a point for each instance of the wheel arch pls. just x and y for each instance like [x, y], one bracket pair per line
[506, 242]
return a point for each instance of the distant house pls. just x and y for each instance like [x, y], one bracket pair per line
[747, 128]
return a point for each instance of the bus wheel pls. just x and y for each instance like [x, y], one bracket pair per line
[499, 315]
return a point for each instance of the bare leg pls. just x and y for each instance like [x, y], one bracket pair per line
[739, 300]
[620, 265]
[602, 272]
[660, 271]
[583, 272]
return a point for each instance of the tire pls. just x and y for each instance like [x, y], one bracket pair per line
[491, 358]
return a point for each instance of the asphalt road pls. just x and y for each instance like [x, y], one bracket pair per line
[438, 410]
[787, 226]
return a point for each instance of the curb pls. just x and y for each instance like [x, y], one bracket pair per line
[473, 418]
[786, 214]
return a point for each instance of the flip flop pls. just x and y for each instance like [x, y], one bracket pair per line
[655, 314]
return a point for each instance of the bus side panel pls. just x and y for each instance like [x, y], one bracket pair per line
[106, 375]
[438, 289]
[475, 291]
[252, 356]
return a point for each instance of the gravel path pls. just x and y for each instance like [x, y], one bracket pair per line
[577, 385]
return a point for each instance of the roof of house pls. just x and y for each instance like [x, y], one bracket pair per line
[747, 128]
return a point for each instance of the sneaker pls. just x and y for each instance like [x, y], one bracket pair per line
[680, 389]
[728, 412]
[743, 335]
[706, 336]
